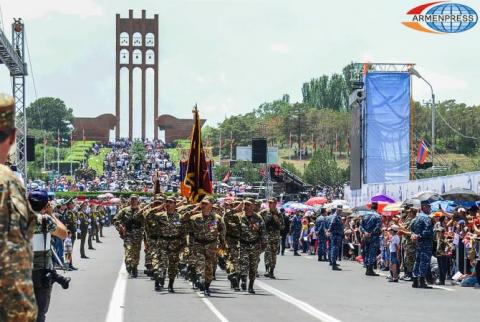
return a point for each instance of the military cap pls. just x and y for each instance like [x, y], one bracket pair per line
[171, 199]
[272, 199]
[424, 203]
[133, 195]
[249, 200]
[208, 199]
[38, 195]
[7, 112]
[158, 197]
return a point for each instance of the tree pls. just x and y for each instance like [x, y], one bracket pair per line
[50, 114]
[291, 168]
[323, 170]
[138, 153]
[246, 170]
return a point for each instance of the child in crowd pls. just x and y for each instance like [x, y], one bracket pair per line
[68, 248]
[394, 249]
[312, 237]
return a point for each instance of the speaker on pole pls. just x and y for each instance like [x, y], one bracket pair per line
[30, 148]
[259, 150]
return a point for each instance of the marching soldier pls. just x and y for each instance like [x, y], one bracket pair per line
[273, 225]
[17, 224]
[252, 243]
[151, 250]
[172, 239]
[207, 233]
[130, 224]
[71, 224]
[232, 241]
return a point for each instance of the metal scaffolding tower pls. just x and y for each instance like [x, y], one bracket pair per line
[13, 56]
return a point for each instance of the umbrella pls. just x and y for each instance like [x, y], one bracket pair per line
[448, 206]
[430, 196]
[115, 200]
[361, 208]
[382, 198]
[109, 195]
[315, 201]
[393, 207]
[461, 194]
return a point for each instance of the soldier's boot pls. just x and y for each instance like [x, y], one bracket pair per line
[250, 287]
[158, 287]
[73, 268]
[423, 283]
[206, 289]
[230, 278]
[170, 285]
[162, 281]
[267, 271]
[235, 283]
[134, 272]
[272, 276]
[244, 283]
[370, 271]
[129, 270]
[415, 282]
[295, 253]
[336, 268]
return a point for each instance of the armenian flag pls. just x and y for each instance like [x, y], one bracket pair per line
[422, 152]
[197, 182]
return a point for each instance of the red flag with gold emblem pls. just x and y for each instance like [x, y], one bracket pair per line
[197, 181]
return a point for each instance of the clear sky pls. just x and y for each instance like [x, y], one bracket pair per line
[229, 56]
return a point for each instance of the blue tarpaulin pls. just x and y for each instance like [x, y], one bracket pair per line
[387, 127]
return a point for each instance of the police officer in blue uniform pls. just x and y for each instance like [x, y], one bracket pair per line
[320, 229]
[371, 229]
[422, 233]
[335, 231]
[295, 230]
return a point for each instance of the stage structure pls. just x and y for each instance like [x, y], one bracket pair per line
[382, 125]
[13, 56]
[136, 47]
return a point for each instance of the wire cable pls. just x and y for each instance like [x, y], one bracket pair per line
[453, 129]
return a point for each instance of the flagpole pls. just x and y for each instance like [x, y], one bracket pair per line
[44, 153]
[71, 164]
[58, 152]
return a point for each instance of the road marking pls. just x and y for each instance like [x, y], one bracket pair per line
[307, 308]
[212, 307]
[117, 301]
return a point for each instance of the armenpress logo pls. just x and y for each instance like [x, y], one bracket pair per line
[441, 17]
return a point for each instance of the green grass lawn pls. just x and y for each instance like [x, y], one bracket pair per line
[96, 161]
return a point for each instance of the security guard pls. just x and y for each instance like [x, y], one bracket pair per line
[17, 223]
[422, 233]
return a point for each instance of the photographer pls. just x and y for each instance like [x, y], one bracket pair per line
[43, 274]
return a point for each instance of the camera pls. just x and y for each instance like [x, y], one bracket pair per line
[51, 276]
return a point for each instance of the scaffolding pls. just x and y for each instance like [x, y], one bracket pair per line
[13, 56]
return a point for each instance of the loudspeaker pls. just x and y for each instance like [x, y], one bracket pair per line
[30, 148]
[259, 150]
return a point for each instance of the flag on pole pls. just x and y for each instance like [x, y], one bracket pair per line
[227, 177]
[197, 181]
[422, 152]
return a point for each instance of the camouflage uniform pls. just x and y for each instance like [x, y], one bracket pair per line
[147, 240]
[205, 233]
[17, 223]
[232, 240]
[274, 225]
[408, 249]
[71, 223]
[252, 242]
[133, 222]
[170, 242]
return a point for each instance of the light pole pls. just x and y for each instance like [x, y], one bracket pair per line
[413, 71]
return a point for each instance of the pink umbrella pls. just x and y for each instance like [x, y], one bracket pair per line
[115, 200]
[316, 201]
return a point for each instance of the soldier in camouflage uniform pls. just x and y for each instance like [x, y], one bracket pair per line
[101, 221]
[232, 241]
[91, 225]
[171, 240]
[130, 224]
[71, 224]
[274, 225]
[187, 259]
[252, 242]
[17, 223]
[408, 243]
[207, 233]
[150, 229]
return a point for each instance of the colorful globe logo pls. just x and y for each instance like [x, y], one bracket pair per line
[442, 17]
[453, 10]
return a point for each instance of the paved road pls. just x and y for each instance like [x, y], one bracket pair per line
[305, 291]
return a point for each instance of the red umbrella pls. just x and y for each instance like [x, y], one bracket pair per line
[316, 201]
